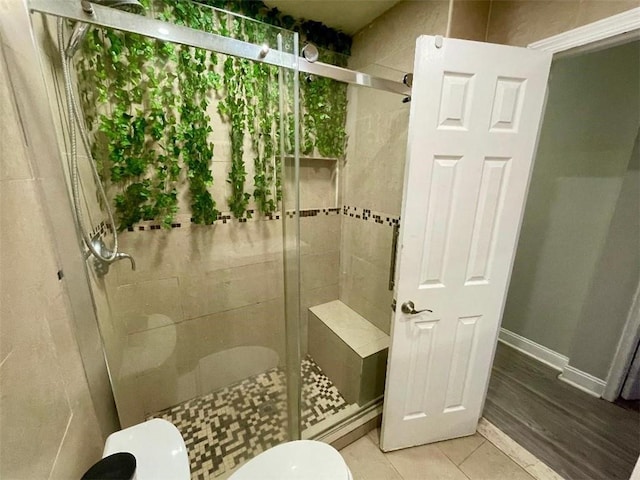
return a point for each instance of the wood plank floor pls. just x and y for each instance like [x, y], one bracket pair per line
[579, 436]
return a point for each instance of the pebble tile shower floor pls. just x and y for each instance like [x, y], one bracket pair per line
[225, 428]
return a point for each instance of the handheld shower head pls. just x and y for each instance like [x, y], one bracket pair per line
[80, 29]
[103, 256]
[131, 6]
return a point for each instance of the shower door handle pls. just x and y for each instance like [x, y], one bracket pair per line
[394, 255]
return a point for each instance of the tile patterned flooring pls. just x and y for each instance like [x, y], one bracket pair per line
[225, 428]
[477, 457]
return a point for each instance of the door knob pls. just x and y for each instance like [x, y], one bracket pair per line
[410, 309]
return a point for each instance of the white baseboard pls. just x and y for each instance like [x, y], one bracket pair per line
[582, 380]
[571, 375]
[533, 349]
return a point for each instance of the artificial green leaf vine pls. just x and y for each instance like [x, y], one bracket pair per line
[311, 31]
[324, 115]
[147, 102]
[265, 143]
[233, 109]
[129, 135]
[197, 69]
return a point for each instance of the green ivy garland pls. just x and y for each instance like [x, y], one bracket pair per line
[197, 77]
[131, 133]
[146, 105]
[267, 143]
[311, 31]
[325, 100]
[263, 120]
[234, 109]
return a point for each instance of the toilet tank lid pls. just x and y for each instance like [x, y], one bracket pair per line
[158, 447]
[300, 459]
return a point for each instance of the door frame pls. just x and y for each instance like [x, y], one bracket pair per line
[605, 33]
[625, 351]
[608, 32]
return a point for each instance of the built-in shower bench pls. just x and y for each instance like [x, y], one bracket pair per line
[350, 350]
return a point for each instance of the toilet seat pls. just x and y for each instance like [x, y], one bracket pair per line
[298, 460]
[158, 447]
[161, 453]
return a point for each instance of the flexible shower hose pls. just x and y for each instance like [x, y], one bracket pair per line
[74, 172]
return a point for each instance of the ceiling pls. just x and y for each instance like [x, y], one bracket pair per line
[347, 15]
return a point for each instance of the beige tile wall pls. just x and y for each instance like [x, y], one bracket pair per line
[45, 33]
[364, 275]
[319, 265]
[48, 425]
[377, 125]
[390, 39]
[112, 329]
[374, 170]
[469, 19]
[199, 291]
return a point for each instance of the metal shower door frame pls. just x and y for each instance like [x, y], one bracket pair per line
[148, 27]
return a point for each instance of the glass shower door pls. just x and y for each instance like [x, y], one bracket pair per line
[351, 195]
[189, 144]
[237, 237]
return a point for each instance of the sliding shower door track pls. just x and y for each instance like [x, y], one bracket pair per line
[169, 32]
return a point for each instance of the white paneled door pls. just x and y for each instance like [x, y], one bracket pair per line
[475, 113]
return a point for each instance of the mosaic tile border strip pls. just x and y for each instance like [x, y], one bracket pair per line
[228, 218]
[370, 215]
[311, 212]
[225, 218]
[100, 230]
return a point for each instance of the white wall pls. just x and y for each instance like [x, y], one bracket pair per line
[614, 282]
[586, 141]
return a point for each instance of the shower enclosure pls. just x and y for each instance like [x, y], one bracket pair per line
[253, 191]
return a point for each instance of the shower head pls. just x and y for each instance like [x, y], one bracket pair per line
[80, 29]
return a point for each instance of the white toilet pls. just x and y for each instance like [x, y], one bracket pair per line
[299, 460]
[161, 454]
[158, 447]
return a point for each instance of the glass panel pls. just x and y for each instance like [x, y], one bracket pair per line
[350, 201]
[259, 304]
[290, 149]
[188, 145]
